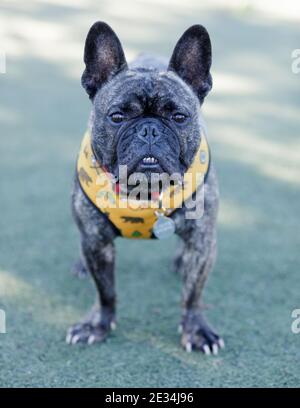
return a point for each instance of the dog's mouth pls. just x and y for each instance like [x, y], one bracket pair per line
[148, 174]
[155, 162]
[149, 164]
[146, 164]
[149, 161]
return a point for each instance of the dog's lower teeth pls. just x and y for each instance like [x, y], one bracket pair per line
[149, 160]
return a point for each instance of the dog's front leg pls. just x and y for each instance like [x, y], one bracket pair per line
[196, 264]
[99, 258]
[197, 258]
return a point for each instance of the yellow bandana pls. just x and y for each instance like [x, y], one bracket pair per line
[136, 218]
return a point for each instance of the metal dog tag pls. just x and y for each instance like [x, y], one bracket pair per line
[164, 227]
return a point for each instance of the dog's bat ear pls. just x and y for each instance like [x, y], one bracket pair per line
[191, 60]
[103, 57]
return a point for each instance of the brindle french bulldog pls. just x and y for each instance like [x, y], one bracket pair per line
[167, 99]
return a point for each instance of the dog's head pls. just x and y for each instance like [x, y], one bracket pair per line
[146, 119]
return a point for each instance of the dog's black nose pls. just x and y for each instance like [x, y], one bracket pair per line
[149, 133]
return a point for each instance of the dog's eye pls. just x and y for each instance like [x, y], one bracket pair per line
[179, 117]
[117, 117]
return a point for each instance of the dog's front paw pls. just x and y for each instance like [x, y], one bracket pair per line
[92, 330]
[197, 335]
[86, 333]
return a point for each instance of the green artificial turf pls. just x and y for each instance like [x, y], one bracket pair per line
[253, 118]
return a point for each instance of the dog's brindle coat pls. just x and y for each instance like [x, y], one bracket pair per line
[125, 100]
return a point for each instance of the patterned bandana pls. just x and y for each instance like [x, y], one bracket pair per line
[135, 218]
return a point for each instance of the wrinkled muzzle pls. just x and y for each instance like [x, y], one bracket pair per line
[148, 146]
